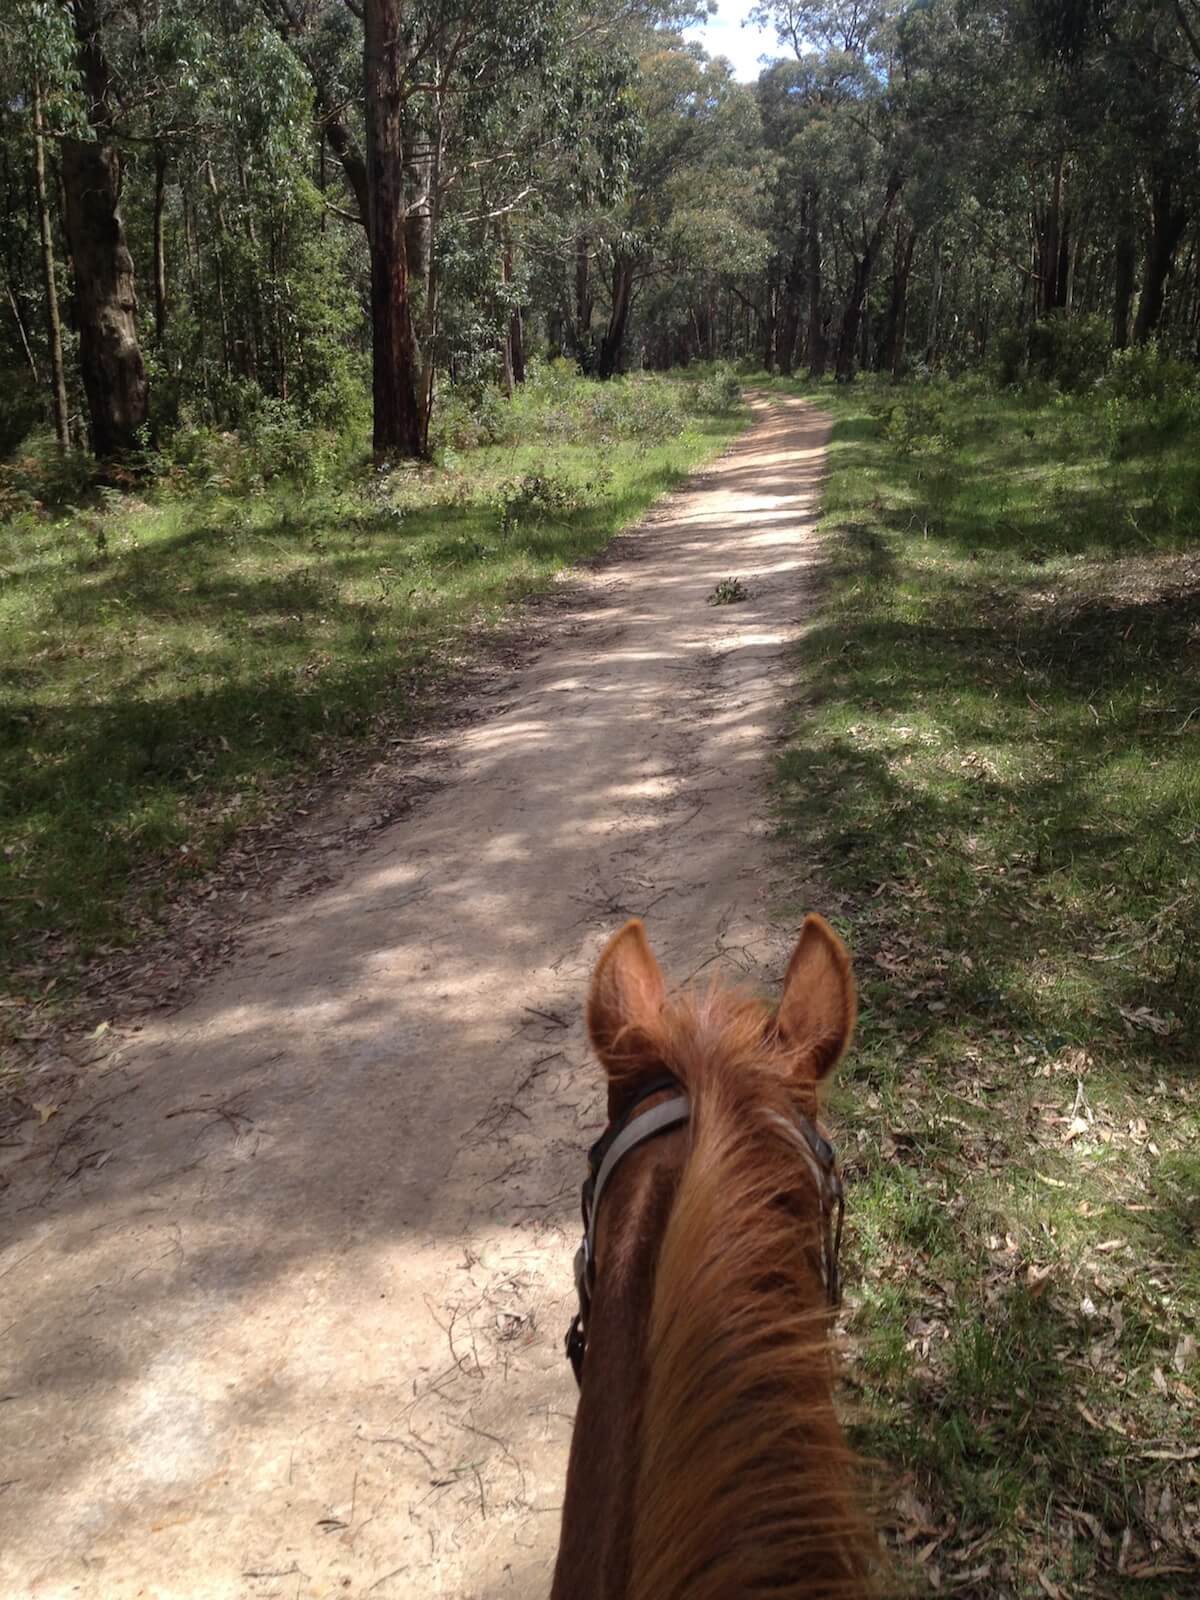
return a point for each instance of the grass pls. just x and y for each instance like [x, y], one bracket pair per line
[994, 774]
[170, 665]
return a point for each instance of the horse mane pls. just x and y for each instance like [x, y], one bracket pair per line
[745, 1483]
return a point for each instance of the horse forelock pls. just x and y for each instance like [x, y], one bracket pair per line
[745, 1483]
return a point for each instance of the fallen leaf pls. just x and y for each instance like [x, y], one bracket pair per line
[1143, 1017]
[1185, 1353]
[45, 1112]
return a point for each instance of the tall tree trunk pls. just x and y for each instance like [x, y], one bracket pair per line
[770, 320]
[398, 422]
[110, 358]
[793, 282]
[935, 311]
[1125, 269]
[1166, 224]
[58, 376]
[160, 252]
[418, 229]
[256, 348]
[218, 256]
[344, 148]
[818, 343]
[861, 281]
[507, 378]
[515, 334]
[582, 322]
[22, 335]
[622, 303]
[890, 355]
[1050, 265]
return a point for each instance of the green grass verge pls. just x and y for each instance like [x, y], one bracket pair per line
[994, 777]
[169, 665]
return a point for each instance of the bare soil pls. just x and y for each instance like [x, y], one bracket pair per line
[282, 1299]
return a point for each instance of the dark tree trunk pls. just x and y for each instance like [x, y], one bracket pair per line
[256, 349]
[1126, 267]
[218, 256]
[58, 376]
[890, 355]
[1052, 240]
[861, 282]
[1167, 222]
[418, 164]
[351, 158]
[789, 322]
[399, 427]
[110, 358]
[614, 334]
[581, 327]
[789, 328]
[935, 313]
[160, 253]
[513, 354]
[818, 342]
[769, 323]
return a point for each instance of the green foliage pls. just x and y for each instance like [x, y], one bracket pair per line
[40, 475]
[995, 774]
[1072, 352]
[535, 498]
[719, 391]
[20, 409]
[729, 592]
[172, 660]
[917, 419]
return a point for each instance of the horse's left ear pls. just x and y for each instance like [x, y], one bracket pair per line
[625, 998]
[819, 1006]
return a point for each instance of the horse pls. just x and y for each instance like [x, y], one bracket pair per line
[707, 1461]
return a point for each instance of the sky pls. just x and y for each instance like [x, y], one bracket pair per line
[724, 35]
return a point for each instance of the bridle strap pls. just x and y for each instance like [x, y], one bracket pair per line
[603, 1159]
[655, 1121]
[631, 1130]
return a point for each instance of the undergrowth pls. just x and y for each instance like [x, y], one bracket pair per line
[994, 779]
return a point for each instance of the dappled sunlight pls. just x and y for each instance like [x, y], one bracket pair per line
[351, 1164]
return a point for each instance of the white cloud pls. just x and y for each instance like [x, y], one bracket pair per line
[724, 35]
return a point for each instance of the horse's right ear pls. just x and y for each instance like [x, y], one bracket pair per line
[819, 1006]
[625, 998]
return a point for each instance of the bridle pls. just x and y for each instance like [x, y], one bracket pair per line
[630, 1130]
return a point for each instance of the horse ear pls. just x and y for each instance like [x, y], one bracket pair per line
[818, 1009]
[625, 998]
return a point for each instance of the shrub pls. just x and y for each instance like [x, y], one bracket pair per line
[917, 422]
[41, 474]
[1069, 351]
[467, 415]
[20, 408]
[536, 497]
[718, 391]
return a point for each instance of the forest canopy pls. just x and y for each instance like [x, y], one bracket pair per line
[215, 213]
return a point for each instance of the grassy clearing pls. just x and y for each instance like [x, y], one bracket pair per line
[168, 664]
[996, 775]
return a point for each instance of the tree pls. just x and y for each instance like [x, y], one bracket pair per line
[110, 357]
[398, 423]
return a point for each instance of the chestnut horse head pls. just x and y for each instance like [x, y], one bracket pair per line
[707, 1461]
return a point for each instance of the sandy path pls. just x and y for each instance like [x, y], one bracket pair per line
[309, 1343]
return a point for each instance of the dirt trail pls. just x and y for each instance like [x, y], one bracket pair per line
[294, 1326]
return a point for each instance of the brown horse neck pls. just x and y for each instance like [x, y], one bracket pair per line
[598, 1505]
